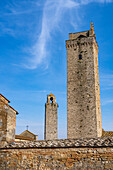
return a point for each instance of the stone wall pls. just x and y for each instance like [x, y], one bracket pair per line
[7, 123]
[72, 154]
[3, 123]
[11, 124]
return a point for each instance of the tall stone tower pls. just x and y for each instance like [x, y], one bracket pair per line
[51, 118]
[83, 91]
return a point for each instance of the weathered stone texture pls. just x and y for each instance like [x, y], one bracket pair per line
[59, 143]
[63, 157]
[51, 118]
[3, 123]
[51, 121]
[27, 133]
[83, 93]
[7, 123]
[11, 124]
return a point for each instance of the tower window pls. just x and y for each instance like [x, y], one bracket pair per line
[87, 107]
[80, 57]
[51, 100]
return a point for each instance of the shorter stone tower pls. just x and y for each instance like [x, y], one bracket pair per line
[7, 121]
[51, 118]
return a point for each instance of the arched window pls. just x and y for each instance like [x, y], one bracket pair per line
[51, 99]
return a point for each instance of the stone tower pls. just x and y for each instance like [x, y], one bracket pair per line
[83, 91]
[51, 118]
[7, 121]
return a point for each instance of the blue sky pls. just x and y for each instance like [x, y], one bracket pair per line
[33, 56]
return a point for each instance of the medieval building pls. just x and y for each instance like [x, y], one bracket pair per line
[83, 91]
[7, 121]
[26, 136]
[83, 96]
[87, 146]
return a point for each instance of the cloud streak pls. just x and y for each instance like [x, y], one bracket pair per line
[53, 13]
[106, 81]
[23, 15]
[105, 102]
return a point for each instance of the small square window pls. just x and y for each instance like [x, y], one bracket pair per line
[80, 57]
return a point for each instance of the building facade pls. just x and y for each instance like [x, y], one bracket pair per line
[7, 121]
[26, 136]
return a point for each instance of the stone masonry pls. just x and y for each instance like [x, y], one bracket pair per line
[51, 118]
[67, 154]
[7, 121]
[83, 92]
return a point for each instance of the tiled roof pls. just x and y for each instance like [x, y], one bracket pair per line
[51, 94]
[62, 143]
[4, 98]
[24, 138]
[107, 133]
[22, 134]
[6, 103]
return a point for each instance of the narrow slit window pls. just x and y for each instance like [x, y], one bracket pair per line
[80, 57]
[1, 123]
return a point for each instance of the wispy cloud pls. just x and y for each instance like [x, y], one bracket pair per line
[96, 1]
[19, 15]
[53, 13]
[106, 81]
[105, 102]
[106, 84]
